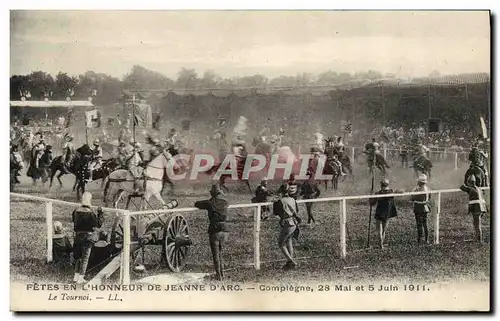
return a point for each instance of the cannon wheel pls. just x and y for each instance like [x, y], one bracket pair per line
[174, 248]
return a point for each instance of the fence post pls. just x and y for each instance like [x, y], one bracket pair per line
[385, 152]
[343, 219]
[456, 161]
[125, 268]
[48, 220]
[256, 237]
[352, 154]
[436, 219]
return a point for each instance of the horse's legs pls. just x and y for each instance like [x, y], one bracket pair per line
[248, 185]
[76, 182]
[117, 198]
[52, 174]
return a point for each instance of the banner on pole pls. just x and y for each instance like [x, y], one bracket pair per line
[484, 131]
[143, 115]
[93, 118]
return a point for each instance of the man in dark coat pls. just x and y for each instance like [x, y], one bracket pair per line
[216, 208]
[385, 209]
[85, 222]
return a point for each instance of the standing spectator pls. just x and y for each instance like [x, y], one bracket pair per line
[261, 194]
[287, 209]
[216, 208]
[477, 205]
[85, 222]
[309, 190]
[421, 207]
[293, 186]
[385, 210]
[404, 156]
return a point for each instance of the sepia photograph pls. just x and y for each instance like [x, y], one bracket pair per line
[250, 160]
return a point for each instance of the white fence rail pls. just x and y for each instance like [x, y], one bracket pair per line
[125, 255]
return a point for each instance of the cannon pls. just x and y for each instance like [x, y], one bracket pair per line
[168, 230]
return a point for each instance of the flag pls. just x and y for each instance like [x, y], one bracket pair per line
[143, 115]
[93, 118]
[484, 131]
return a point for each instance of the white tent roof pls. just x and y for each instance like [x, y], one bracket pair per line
[51, 103]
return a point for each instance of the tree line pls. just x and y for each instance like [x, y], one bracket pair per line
[40, 84]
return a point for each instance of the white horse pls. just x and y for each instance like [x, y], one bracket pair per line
[121, 181]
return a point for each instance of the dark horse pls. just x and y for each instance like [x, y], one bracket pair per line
[58, 165]
[481, 179]
[422, 165]
[331, 168]
[223, 177]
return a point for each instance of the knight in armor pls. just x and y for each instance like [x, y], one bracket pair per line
[155, 149]
[318, 146]
[221, 142]
[123, 154]
[68, 151]
[134, 165]
[332, 153]
[96, 158]
[275, 142]
[239, 148]
[339, 150]
[372, 150]
[478, 158]
[172, 137]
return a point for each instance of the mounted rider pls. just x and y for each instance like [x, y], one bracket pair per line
[318, 145]
[220, 140]
[68, 149]
[339, 150]
[332, 153]
[123, 153]
[372, 150]
[134, 165]
[156, 148]
[97, 155]
[479, 157]
[239, 148]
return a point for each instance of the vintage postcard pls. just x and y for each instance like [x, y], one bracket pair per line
[250, 160]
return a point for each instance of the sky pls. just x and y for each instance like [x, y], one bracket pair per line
[240, 43]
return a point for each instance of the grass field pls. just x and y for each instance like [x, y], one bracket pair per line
[455, 258]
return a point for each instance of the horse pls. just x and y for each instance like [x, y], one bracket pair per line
[58, 164]
[44, 166]
[422, 165]
[330, 168]
[16, 165]
[478, 173]
[121, 181]
[379, 162]
[240, 165]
